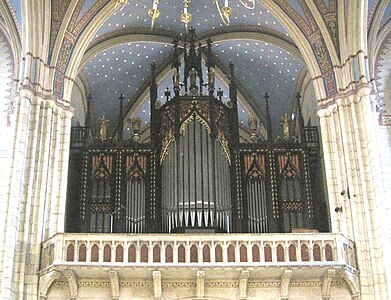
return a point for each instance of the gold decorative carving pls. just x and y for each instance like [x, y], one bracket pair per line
[197, 117]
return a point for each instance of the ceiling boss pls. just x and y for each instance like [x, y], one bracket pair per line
[225, 11]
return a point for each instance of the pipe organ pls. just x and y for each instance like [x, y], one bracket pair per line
[194, 174]
[195, 164]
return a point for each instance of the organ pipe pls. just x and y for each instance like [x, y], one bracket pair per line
[195, 181]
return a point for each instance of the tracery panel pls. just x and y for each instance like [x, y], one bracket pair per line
[101, 193]
[136, 165]
[291, 196]
[254, 165]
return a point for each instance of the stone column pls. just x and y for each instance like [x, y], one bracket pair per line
[285, 281]
[11, 209]
[200, 284]
[36, 190]
[114, 285]
[157, 284]
[352, 164]
[243, 279]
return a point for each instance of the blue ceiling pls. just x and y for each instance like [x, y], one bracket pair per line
[205, 16]
[121, 69]
[263, 68]
[260, 67]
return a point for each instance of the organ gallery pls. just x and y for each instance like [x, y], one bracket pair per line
[194, 172]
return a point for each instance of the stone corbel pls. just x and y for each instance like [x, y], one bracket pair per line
[114, 285]
[46, 280]
[200, 286]
[157, 285]
[72, 283]
[326, 283]
[351, 280]
[243, 279]
[285, 280]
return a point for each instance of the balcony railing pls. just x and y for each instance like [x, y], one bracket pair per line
[198, 250]
[80, 136]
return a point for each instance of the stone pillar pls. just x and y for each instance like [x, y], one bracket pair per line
[326, 283]
[243, 279]
[36, 190]
[11, 208]
[285, 281]
[353, 180]
[157, 284]
[72, 283]
[200, 284]
[114, 284]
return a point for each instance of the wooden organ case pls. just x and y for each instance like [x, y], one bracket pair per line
[194, 174]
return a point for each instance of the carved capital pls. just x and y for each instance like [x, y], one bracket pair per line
[245, 274]
[201, 274]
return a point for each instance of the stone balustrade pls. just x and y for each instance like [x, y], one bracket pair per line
[198, 250]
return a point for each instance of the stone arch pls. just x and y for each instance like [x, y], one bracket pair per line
[10, 29]
[298, 37]
[7, 69]
[10, 48]
[252, 33]
[376, 38]
[304, 46]
[10, 53]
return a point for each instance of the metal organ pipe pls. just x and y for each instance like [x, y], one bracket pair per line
[256, 205]
[196, 181]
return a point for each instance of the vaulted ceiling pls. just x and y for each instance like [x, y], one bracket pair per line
[260, 66]
[266, 59]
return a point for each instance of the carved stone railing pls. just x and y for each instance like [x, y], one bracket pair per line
[199, 250]
[80, 136]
